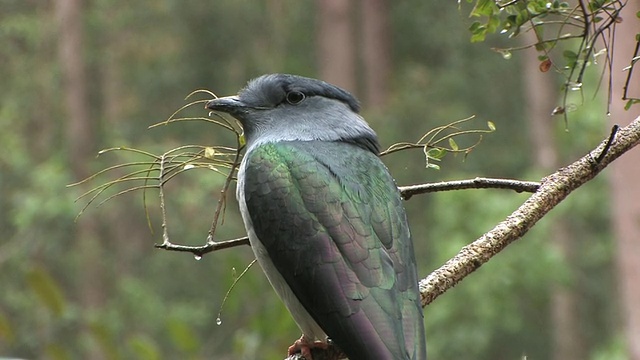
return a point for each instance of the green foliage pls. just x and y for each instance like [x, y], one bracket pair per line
[569, 37]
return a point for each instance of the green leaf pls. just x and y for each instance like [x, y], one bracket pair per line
[491, 125]
[479, 34]
[485, 7]
[436, 153]
[511, 20]
[46, 290]
[571, 58]
[493, 24]
[532, 8]
[569, 55]
[630, 103]
[522, 17]
[453, 145]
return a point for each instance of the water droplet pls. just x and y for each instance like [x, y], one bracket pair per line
[218, 321]
[197, 257]
[506, 54]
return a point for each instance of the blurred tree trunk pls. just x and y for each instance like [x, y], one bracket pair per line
[274, 45]
[336, 48]
[80, 135]
[376, 52]
[625, 183]
[115, 105]
[541, 94]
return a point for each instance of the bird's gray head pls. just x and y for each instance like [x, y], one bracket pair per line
[281, 107]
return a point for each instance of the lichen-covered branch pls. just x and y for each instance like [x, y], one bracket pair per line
[553, 189]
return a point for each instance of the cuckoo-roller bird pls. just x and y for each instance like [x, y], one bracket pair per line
[325, 218]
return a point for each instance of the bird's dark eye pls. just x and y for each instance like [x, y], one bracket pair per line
[295, 97]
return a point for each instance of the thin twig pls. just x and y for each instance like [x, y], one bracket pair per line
[163, 211]
[204, 249]
[223, 193]
[612, 136]
[634, 59]
[477, 183]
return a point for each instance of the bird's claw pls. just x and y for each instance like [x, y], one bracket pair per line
[304, 346]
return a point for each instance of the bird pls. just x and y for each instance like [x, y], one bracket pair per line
[325, 218]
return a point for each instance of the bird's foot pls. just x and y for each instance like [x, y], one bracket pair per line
[326, 350]
[304, 346]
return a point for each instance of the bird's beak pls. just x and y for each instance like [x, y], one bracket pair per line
[228, 104]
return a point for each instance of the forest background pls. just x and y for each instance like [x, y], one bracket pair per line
[80, 76]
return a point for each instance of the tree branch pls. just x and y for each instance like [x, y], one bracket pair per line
[406, 191]
[477, 183]
[553, 189]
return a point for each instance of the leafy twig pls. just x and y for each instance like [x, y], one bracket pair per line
[431, 142]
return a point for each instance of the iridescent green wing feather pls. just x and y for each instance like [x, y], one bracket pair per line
[332, 221]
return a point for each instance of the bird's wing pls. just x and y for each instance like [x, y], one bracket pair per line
[332, 221]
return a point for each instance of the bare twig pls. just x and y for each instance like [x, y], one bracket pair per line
[204, 249]
[223, 193]
[477, 183]
[634, 60]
